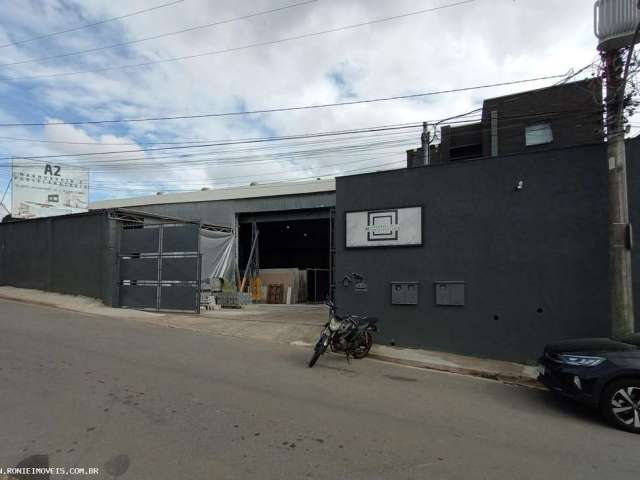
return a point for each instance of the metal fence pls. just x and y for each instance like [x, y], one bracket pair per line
[159, 267]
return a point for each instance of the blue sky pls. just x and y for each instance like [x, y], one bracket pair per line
[481, 42]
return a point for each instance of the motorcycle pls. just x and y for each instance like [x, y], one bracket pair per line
[350, 334]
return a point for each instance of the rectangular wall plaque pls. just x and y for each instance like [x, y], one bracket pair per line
[394, 227]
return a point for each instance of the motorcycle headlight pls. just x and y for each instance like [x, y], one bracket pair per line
[334, 324]
[580, 360]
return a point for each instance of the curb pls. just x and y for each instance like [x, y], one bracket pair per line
[514, 379]
[71, 308]
[39, 303]
[521, 380]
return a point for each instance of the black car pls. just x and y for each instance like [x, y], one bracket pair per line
[600, 372]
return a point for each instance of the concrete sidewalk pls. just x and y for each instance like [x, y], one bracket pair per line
[297, 325]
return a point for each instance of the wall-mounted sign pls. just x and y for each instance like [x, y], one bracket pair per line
[392, 227]
[42, 189]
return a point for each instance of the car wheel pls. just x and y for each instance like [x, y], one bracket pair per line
[621, 404]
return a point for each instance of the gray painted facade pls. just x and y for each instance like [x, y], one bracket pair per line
[534, 261]
[231, 212]
[74, 254]
[225, 212]
[572, 111]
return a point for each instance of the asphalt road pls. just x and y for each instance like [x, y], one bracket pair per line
[148, 402]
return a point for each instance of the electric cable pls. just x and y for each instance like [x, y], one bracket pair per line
[242, 47]
[81, 27]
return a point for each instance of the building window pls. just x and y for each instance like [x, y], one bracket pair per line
[538, 134]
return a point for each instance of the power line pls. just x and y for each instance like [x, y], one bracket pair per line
[571, 74]
[240, 161]
[182, 148]
[344, 151]
[285, 109]
[243, 47]
[310, 177]
[242, 156]
[157, 164]
[397, 126]
[156, 37]
[117, 152]
[107, 186]
[81, 27]
[246, 161]
[261, 175]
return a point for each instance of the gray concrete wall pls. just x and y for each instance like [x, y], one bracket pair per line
[68, 255]
[223, 212]
[573, 110]
[633, 162]
[535, 261]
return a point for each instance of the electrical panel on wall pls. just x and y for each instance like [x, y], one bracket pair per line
[450, 293]
[404, 293]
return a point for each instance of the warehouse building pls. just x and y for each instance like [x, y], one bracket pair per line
[491, 250]
[292, 222]
[492, 257]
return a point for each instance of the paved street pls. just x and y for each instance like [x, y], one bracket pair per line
[143, 401]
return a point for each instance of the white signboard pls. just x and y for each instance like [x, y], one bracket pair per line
[42, 189]
[383, 228]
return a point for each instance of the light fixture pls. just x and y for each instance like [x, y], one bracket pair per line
[581, 360]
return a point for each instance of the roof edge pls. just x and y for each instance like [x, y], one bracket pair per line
[236, 193]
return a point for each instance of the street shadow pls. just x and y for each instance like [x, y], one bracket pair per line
[566, 406]
[33, 461]
[545, 400]
[329, 361]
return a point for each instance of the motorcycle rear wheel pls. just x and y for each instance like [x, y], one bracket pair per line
[363, 349]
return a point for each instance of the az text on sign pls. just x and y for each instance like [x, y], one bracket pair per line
[384, 228]
[46, 189]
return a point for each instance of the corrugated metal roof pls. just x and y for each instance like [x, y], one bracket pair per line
[255, 191]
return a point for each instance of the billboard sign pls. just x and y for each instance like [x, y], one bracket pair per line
[393, 227]
[41, 189]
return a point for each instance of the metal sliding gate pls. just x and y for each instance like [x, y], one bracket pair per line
[159, 266]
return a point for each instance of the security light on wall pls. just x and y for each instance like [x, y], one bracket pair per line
[519, 186]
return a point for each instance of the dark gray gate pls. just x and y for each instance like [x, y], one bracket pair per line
[160, 267]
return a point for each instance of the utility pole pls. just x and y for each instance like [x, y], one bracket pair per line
[620, 233]
[426, 141]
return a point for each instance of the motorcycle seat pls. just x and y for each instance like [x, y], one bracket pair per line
[366, 320]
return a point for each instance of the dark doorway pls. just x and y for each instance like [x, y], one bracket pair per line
[302, 243]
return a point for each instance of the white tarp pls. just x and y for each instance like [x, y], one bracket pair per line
[42, 189]
[217, 255]
[384, 228]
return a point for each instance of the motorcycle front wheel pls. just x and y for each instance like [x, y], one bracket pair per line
[362, 350]
[314, 358]
[320, 348]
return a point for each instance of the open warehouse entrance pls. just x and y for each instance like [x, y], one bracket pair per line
[291, 260]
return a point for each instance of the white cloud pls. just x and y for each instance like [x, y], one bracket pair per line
[484, 42]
